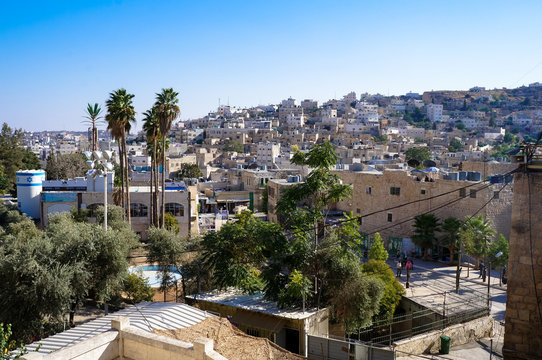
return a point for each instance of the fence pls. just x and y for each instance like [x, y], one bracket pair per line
[460, 310]
[328, 348]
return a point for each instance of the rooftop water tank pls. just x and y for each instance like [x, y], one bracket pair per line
[462, 175]
[453, 176]
[29, 187]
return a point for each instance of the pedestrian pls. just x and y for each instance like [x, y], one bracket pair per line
[482, 268]
[408, 266]
[399, 269]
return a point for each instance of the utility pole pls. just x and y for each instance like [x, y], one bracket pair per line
[458, 269]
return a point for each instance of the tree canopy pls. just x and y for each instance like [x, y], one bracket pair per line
[66, 166]
[377, 251]
[189, 171]
[425, 228]
[419, 154]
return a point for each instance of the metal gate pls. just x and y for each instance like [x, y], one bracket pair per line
[325, 348]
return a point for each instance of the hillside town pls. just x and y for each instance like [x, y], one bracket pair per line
[289, 222]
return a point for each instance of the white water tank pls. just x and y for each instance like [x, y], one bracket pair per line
[29, 187]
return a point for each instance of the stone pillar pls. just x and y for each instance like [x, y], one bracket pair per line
[523, 329]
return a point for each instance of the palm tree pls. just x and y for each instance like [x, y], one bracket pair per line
[450, 237]
[425, 226]
[120, 116]
[152, 131]
[167, 110]
[93, 115]
[476, 236]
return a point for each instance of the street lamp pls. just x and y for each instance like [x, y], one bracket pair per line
[101, 161]
[497, 255]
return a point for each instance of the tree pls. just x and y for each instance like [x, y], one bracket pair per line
[189, 171]
[167, 110]
[425, 227]
[460, 126]
[455, 145]
[377, 251]
[171, 223]
[93, 115]
[136, 288]
[152, 132]
[393, 290]
[499, 245]
[10, 349]
[450, 237]
[120, 116]
[166, 249]
[419, 154]
[298, 290]
[475, 236]
[234, 145]
[66, 166]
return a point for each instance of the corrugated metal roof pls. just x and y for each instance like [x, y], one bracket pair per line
[145, 316]
[255, 302]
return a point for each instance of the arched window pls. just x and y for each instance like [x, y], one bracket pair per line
[175, 209]
[138, 210]
[92, 209]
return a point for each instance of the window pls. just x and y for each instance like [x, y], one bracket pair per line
[422, 191]
[253, 332]
[91, 209]
[358, 211]
[395, 191]
[390, 217]
[462, 193]
[138, 210]
[271, 192]
[473, 194]
[496, 194]
[368, 190]
[175, 209]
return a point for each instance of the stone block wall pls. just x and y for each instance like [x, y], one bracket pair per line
[523, 329]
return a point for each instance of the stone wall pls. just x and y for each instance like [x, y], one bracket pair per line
[459, 334]
[523, 329]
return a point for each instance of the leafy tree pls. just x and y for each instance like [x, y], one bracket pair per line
[171, 223]
[425, 227]
[455, 145]
[120, 116]
[10, 349]
[4, 182]
[509, 138]
[460, 126]
[476, 236]
[14, 157]
[234, 145]
[167, 110]
[166, 249]
[393, 290]
[136, 288]
[377, 251]
[189, 171]
[420, 154]
[66, 166]
[499, 245]
[450, 235]
[298, 288]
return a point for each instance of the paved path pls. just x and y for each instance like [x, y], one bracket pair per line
[428, 283]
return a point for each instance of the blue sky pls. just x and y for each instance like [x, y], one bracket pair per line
[57, 56]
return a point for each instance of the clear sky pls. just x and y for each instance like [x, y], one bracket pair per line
[57, 56]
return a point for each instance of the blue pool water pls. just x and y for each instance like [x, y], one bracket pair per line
[152, 273]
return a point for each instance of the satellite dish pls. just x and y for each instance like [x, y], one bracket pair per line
[413, 163]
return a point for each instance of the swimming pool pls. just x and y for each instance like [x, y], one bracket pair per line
[152, 273]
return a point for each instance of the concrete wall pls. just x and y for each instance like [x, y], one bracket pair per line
[523, 329]
[459, 334]
[125, 342]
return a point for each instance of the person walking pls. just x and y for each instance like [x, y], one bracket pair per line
[399, 268]
[408, 267]
[482, 268]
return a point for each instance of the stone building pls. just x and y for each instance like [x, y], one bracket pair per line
[523, 329]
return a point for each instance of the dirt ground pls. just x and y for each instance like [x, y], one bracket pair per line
[230, 341]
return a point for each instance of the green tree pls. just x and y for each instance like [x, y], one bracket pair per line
[152, 132]
[189, 171]
[450, 235]
[393, 290]
[120, 116]
[476, 236]
[66, 166]
[171, 223]
[499, 245]
[455, 145]
[460, 126]
[377, 251]
[234, 145]
[298, 288]
[425, 227]
[10, 349]
[167, 110]
[136, 288]
[93, 113]
[166, 249]
[419, 154]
